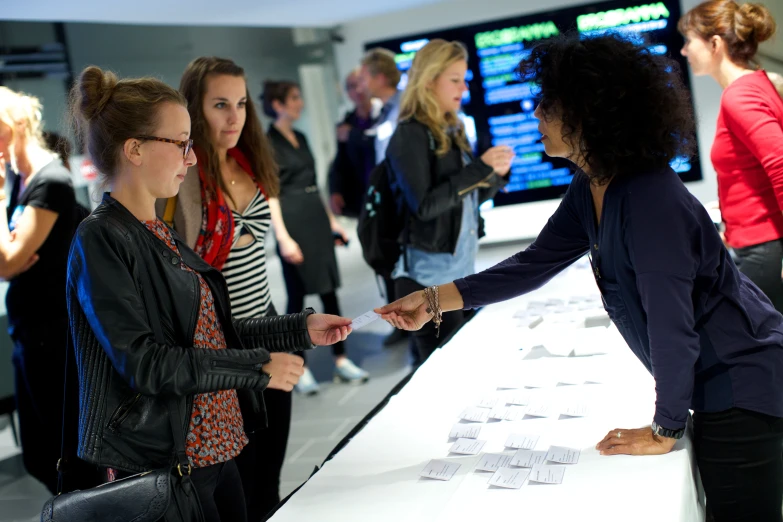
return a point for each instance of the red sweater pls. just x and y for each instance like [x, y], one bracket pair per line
[748, 157]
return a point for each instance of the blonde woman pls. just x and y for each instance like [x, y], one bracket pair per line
[34, 245]
[440, 183]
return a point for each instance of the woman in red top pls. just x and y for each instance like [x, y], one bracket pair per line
[721, 39]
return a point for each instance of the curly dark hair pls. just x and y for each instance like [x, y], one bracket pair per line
[624, 109]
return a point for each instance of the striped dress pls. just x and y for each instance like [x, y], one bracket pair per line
[245, 268]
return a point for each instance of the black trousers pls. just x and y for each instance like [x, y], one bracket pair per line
[261, 461]
[296, 296]
[740, 459]
[762, 264]
[219, 489]
[424, 340]
[39, 373]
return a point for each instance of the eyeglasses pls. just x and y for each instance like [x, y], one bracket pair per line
[186, 145]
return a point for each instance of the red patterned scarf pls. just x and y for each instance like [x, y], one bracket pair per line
[217, 223]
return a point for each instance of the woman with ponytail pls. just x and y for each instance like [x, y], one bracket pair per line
[721, 41]
[155, 341]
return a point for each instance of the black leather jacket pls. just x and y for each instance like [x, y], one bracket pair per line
[431, 187]
[125, 373]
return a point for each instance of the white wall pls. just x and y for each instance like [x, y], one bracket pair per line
[518, 221]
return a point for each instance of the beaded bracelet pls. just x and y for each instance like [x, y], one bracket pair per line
[433, 308]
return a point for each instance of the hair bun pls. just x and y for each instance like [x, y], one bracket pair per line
[753, 23]
[95, 87]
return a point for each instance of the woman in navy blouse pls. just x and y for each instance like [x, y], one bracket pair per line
[711, 339]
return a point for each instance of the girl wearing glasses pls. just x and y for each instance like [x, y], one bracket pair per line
[223, 211]
[151, 321]
[34, 240]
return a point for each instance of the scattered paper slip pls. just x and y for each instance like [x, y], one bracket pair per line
[467, 446]
[547, 474]
[493, 461]
[509, 478]
[464, 431]
[514, 413]
[521, 441]
[538, 410]
[498, 413]
[488, 402]
[528, 459]
[519, 400]
[563, 455]
[364, 319]
[575, 410]
[474, 415]
[540, 382]
[440, 470]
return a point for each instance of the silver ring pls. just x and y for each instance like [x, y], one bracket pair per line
[619, 434]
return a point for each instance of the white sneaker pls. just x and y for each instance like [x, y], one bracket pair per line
[307, 384]
[348, 372]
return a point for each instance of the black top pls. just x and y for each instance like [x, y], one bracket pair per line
[711, 339]
[133, 311]
[350, 171]
[304, 214]
[431, 188]
[37, 297]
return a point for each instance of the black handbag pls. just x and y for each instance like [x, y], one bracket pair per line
[166, 495]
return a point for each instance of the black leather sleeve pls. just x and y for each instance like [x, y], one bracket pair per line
[410, 160]
[101, 273]
[495, 184]
[281, 333]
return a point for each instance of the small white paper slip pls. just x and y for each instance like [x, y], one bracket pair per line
[563, 455]
[474, 414]
[547, 474]
[571, 379]
[488, 402]
[493, 461]
[519, 400]
[364, 319]
[498, 413]
[509, 478]
[464, 431]
[540, 382]
[538, 410]
[514, 413]
[528, 459]
[467, 446]
[575, 410]
[521, 441]
[440, 470]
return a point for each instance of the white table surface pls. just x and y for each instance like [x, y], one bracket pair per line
[376, 476]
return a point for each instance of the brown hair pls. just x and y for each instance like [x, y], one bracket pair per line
[276, 91]
[108, 111]
[742, 27]
[419, 102]
[60, 145]
[252, 140]
[381, 61]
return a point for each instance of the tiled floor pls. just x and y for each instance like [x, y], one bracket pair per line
[319, 422]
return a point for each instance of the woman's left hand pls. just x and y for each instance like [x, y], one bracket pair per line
[641, 441]
[337, 230]
[326, 330]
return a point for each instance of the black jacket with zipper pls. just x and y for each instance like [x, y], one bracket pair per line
[431, 187]
[125, 375]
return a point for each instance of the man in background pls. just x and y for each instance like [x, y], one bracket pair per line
[350, 171]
